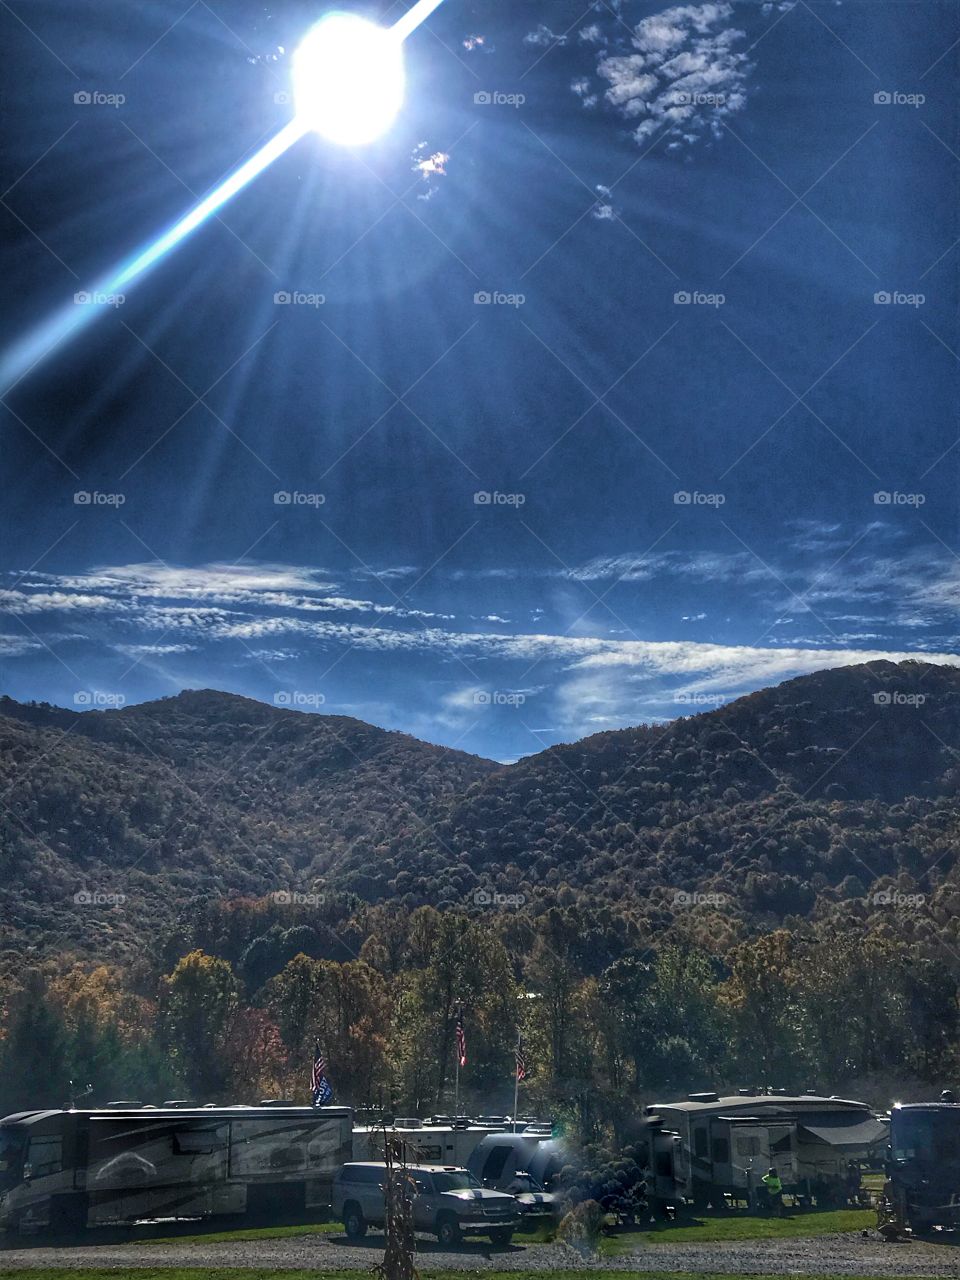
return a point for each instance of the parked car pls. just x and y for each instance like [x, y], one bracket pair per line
[532, 1197]
[447, 1201]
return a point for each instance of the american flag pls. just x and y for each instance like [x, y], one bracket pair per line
[319, 1084]
[461, 1040]
[521, 1060]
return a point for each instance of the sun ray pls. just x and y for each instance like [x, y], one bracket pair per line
[24, 355]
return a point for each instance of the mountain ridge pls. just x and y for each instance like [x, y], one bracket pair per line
[787, 802]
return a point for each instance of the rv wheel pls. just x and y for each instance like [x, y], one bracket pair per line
[501, 1236]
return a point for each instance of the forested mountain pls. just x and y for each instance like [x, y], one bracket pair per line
[201, 795]
[823, 790]
[767, 892]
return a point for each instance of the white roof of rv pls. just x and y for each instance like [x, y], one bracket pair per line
[749, 1102]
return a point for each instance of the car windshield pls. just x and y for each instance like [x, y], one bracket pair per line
[455, 1181]
[524, 1182]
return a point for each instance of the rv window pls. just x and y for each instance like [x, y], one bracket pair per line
[700, 1142]
[664, 1165]
[200, 1141]
[44, 1155]
[747, 1147]
[495, 1162]
[721, 1151]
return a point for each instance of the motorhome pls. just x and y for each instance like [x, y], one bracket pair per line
[67, 1170]
[923, 1163]
[500, 1157]
[707, 1146]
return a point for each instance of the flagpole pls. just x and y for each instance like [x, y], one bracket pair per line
[516, 1079]
[456, 1060]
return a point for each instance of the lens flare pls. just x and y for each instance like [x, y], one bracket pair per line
[348, 79]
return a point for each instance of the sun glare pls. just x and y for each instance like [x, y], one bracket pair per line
[348, 79]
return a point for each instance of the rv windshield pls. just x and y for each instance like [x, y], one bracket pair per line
[12, 1143]
[932, 1135]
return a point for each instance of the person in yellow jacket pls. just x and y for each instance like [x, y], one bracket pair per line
[771, 1180]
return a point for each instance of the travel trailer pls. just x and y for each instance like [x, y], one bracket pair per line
[439, 1140]
[706, 1146]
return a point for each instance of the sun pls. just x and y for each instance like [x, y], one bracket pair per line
[348, 79]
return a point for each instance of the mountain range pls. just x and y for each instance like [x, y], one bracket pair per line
[834, 791]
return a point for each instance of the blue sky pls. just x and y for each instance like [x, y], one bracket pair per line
[686, 449]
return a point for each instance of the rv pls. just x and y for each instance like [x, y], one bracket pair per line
[67, 1170]
[440, 1140]
[923, 1164]
[709, 1147]
[501, 1157]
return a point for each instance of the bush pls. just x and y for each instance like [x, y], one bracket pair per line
[581, 1227]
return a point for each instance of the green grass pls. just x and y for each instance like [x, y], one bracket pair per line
[537, 1235]
[742, 1227]
[249, 1233]
[242, 1273]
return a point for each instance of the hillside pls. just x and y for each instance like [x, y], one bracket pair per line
[789, 802]
[199, 795]
[794, 796]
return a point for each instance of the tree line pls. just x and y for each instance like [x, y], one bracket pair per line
[229, 1007]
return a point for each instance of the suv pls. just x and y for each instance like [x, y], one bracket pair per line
[447, 1201]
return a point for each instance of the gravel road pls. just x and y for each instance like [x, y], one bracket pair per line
[846, 1254]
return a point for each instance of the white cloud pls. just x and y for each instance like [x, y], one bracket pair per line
[17, 646]
[124, 589]
[154, 650]
[680, 75]
[543, 37]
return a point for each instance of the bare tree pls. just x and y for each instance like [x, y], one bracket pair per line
[398, 1192]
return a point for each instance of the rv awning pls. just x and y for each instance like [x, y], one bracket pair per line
[864, 1133]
